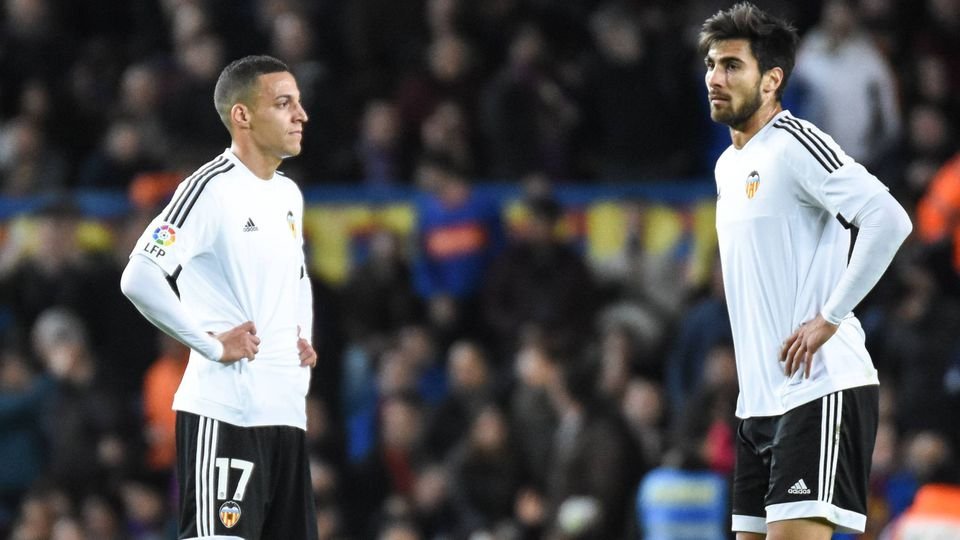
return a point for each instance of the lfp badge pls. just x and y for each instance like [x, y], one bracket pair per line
[753, 183]
[229, 514]
[165, 235]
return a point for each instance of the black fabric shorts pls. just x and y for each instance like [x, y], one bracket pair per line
[811, 462]
[243, 483]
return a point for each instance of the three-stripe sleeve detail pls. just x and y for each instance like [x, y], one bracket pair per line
[191, 183]
[813, 142]
[205, 482]
[830, 424]
[180, 208]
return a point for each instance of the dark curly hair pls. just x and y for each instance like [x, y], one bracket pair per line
[772, 40]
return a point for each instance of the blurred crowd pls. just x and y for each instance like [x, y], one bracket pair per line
[478, 380]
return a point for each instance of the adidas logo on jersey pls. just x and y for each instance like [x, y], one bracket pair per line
[800, 488]
[250, 226]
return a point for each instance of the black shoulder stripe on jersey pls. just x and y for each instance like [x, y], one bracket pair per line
[177, 204]
[818, 143]
[806, 144]
[817, 140]
[203, 183]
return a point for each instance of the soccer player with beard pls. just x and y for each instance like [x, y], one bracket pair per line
[787, 200]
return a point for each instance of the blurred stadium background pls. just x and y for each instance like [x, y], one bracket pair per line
[524, 387]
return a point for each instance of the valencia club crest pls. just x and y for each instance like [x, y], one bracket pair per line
[229, 514]
[753, 183]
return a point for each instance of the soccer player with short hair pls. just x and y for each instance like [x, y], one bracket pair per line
[787, 196]
[230, 243]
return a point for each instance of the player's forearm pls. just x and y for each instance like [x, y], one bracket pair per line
[883, 226]
[144, 283]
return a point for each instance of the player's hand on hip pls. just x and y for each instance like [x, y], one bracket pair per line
[798, 350]
[308, 356]
[239, 342]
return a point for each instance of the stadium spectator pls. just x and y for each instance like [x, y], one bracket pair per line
[540, 282]
[645, 411]
[160, 383]
[624, 110]
[378, 297]
[526, 117]
[470, 387]
[922, 324]
[89, 443]
[431, 505]
[594, 461]
[448, 131]
[485, 472]
[938, 222]
[704, 325]
[533, 417]
[448, 76]
[458, 233]
[863, 114]
[120, 157]
[195, 134]
[379, 150]
[296, 36]
[391, 469]
[140, 95]
[47, 267]
[24, 395]
[29, 163]
[935, 510]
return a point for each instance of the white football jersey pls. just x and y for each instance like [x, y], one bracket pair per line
[784, 201]
[234, 245]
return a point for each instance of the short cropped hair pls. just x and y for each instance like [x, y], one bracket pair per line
[772, 40]
[237, 80]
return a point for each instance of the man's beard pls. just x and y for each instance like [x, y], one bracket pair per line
[736, 118]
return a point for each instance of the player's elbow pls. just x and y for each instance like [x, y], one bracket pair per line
[126, 283]
[130, 281]
[887, 217]
[900, 224]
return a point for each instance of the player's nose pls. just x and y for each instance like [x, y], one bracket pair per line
[301, 114]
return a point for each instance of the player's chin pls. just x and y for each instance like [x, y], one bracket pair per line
[292, 150]
[725, 117]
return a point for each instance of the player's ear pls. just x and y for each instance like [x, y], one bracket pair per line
[772, 80]
[240, 115]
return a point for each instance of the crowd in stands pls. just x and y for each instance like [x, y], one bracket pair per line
[476, 380]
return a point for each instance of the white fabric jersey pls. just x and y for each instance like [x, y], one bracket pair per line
[234, 244]
[782, 203]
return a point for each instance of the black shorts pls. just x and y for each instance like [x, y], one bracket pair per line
[811, 462]
[243, 483]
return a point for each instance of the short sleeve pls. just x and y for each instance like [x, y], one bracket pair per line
[845, 191]
[827, 176]
[184, 229]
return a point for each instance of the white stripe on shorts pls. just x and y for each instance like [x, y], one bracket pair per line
[205, 481]
[831, 414]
